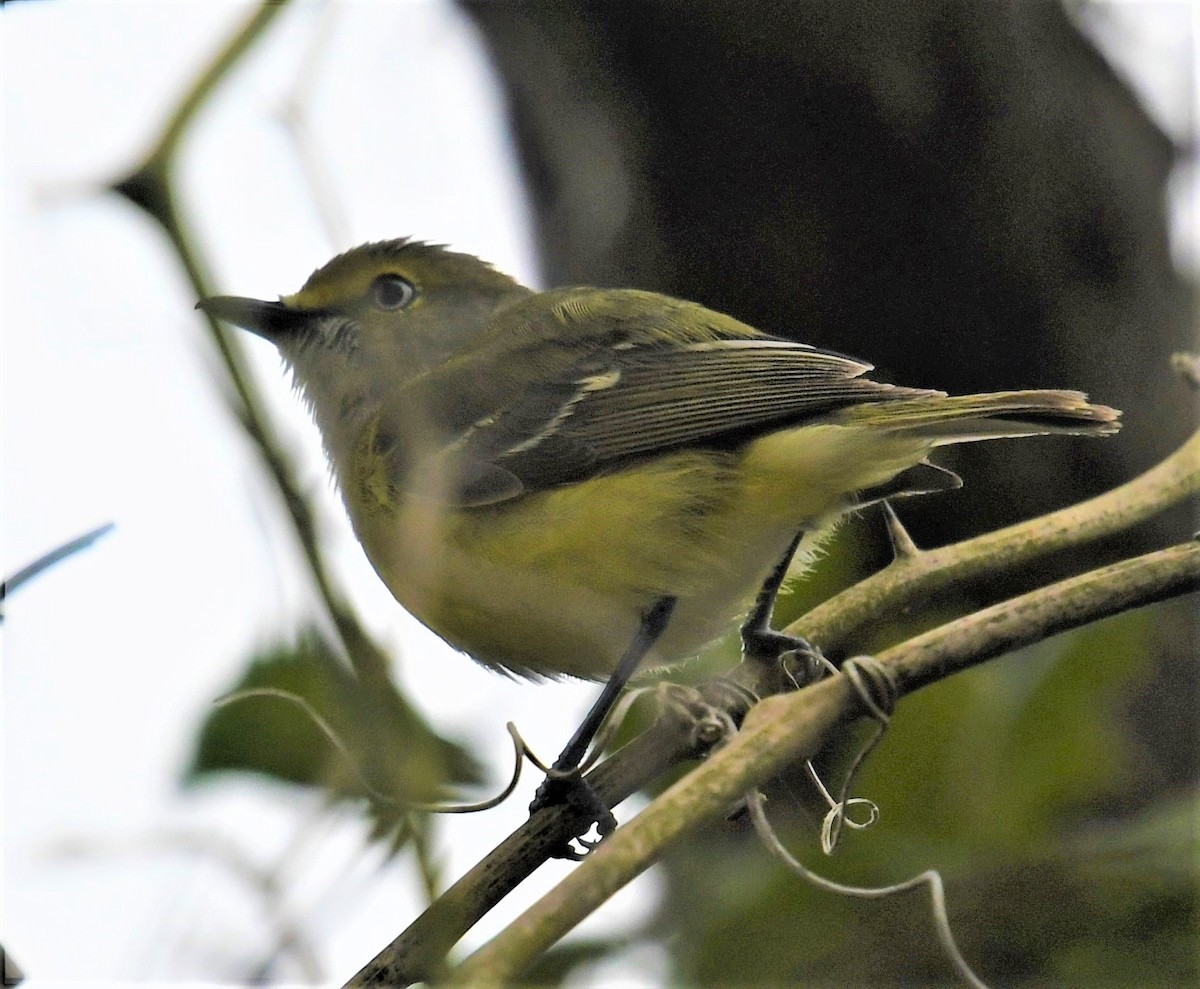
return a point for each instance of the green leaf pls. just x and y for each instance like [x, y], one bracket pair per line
[385, 753]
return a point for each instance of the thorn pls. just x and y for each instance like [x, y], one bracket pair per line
[903, 546]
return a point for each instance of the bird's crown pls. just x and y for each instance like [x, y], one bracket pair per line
[427, 268]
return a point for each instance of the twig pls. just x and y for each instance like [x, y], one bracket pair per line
[46, 561]
[418, 953]
[293, 115]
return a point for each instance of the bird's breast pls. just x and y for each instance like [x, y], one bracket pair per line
[556, 582]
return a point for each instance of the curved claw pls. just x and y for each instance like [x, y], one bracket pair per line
[576, 793]
[802, 660]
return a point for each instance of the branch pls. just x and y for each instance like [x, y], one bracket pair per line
[416, 954]
[786, 729]
[47, 560]
[915, 577]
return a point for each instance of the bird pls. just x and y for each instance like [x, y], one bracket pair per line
[588, 482]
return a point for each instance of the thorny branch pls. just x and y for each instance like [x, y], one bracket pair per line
[790, 728]
[418, 953]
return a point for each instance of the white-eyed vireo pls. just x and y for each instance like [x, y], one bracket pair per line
[544, 478]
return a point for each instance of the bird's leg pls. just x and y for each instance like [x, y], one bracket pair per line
[762, 643]
[565, 783]
[652, 625]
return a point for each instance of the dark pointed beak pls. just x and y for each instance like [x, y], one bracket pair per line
[272, 320]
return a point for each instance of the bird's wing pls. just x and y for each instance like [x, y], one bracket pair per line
[607, 391]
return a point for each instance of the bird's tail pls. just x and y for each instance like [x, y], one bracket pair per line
[943, 419]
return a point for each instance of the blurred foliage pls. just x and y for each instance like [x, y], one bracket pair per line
[1093, 909]
[392, 758]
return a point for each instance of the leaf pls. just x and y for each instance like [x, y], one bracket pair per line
[386, 753]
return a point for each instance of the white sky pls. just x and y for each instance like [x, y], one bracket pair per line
[110, 413]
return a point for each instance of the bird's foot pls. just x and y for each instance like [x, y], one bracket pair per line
[570, 789]
[802, 661]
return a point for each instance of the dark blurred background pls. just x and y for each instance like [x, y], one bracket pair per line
[969, 196]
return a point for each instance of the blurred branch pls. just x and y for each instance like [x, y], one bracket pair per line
[809, 716]
[10, 971]
[149, 186]
[27, 573]
[293, 114]
[263, 883]
[197, 95]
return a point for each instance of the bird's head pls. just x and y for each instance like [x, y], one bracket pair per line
[372, 319]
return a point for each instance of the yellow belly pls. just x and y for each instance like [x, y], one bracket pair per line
[556, 582]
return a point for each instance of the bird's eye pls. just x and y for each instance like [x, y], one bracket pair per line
[392, 292]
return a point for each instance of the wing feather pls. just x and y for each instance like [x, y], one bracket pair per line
[613, 392]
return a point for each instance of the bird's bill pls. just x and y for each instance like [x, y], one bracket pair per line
[272, 320]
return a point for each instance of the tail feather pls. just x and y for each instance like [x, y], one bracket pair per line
[964, 418]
